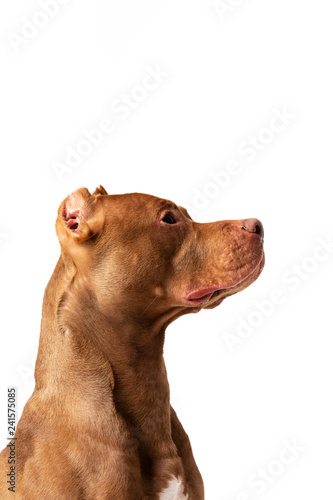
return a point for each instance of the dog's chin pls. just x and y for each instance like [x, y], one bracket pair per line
[218, 297]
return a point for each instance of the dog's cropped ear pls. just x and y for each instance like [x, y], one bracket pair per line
[80, 217]
[100, 190]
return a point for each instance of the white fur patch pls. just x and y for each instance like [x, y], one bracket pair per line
[175, 491]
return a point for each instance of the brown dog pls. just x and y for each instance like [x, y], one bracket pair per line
[99, 425]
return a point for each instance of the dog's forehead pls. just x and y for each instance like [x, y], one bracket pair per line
[132, 203]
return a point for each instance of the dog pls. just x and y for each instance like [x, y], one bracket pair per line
[99, 425]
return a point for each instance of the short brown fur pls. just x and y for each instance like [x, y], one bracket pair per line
[99, 425]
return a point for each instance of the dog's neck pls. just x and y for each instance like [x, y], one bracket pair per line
[110, 363]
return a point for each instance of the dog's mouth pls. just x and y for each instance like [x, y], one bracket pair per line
[209, 297]
[203, 295]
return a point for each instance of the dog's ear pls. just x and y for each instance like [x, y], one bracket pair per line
[100, 190]
[80, 217]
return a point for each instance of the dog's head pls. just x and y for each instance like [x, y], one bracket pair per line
[145, 257]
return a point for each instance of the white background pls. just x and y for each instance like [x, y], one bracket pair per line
[227, 73]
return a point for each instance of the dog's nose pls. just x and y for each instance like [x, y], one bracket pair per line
[253, 226]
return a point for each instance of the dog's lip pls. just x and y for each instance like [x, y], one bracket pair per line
[202, 295]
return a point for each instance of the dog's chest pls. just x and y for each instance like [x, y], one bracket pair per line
[174, 491]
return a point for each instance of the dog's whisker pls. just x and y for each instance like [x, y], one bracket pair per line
[151, 303]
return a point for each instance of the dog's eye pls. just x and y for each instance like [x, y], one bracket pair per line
[168, 219]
